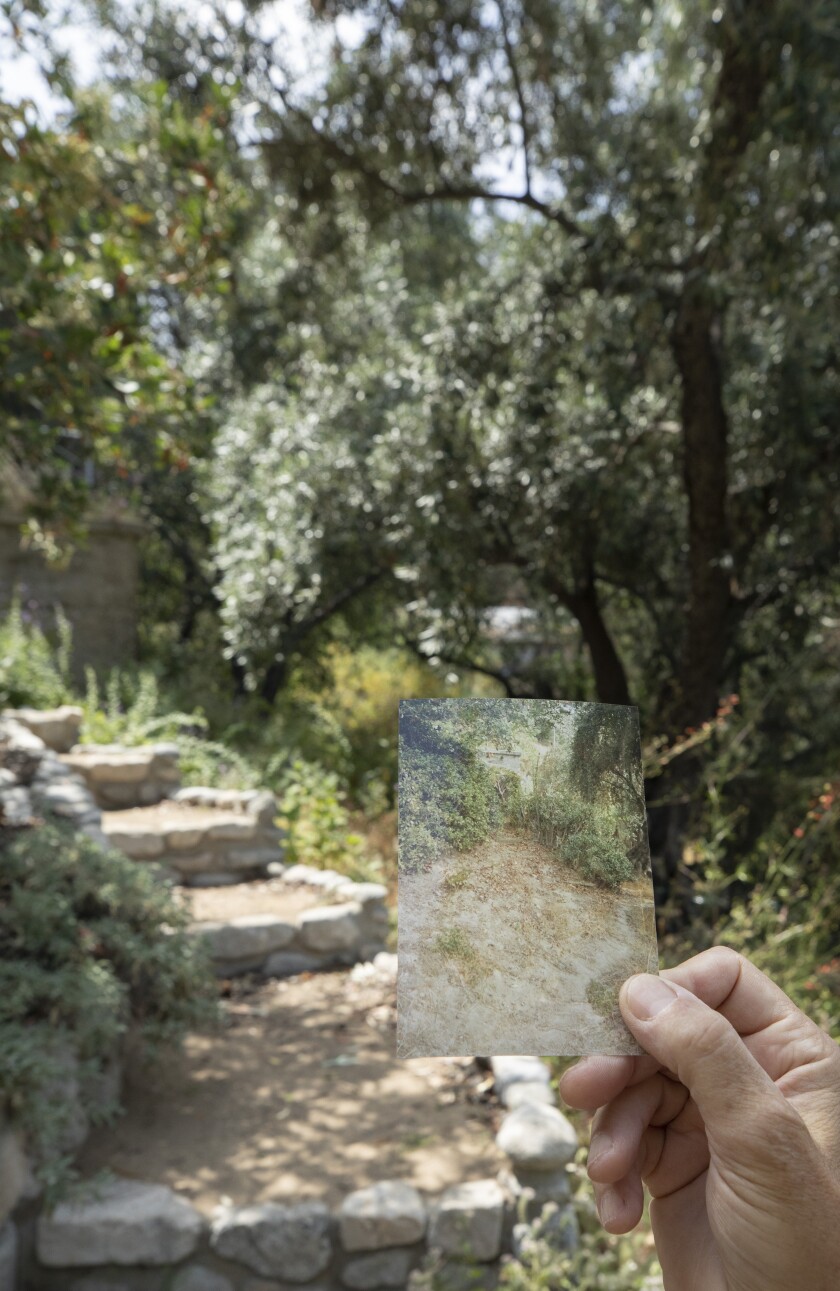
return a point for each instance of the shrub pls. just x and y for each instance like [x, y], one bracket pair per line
[34, 670]
[91, 944]
[447, 801]
[596, 839]
[318, 824]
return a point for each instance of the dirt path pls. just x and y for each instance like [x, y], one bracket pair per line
[299, 1097]
[524, 952]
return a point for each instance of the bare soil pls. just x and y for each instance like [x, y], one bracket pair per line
[269, 896]
[299, 1097]
[506, 950]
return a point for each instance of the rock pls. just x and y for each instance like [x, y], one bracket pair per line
[137, 841]
[386, 963]
[57, 727]
[197, 1278]
[329, 928]
[263, 807]
[195, 796]
[15, 735]
[288, 963]
[181, 837]
[120, 768]
[234, 828]
[8, 1256]
[288, 1241]
[190, 862]
[251, 936]
[124, 1223]
[537, 1137]
[527, 1091]
[64, 798]
[365, 893]
[542, 1185]
[467, 1220]
[384, 1269]
[15, 805]
[326, 879]
[511, 1071]
[13, 1169]
[390, 1213]
[252, 858]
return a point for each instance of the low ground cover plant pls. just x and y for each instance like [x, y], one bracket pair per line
[92, 946]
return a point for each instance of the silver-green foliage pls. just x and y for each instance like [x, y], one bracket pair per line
[91, 944]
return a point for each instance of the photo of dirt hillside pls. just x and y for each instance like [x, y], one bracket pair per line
[524, 876]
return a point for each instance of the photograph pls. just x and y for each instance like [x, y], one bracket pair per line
[524, 876]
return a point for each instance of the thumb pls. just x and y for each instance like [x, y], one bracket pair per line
[734, 1095]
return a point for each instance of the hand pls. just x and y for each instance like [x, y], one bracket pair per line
[733, 1123]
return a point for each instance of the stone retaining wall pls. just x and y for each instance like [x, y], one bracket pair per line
[120, 777]
[34, 781]
[204, 837]
[132, 1236]
[352, 929]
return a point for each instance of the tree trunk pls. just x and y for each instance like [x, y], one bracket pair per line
[610, 678]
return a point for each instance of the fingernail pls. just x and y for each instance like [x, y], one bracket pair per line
[647, 995]
[600, 1145]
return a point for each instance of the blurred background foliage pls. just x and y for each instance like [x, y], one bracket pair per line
[444, 349]
[456, 349]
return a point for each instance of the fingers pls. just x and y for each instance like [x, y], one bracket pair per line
[620, 1204]
[778, 1034]
[731, 1090]
[595, 1081]
[728, 982]
[619, 1128]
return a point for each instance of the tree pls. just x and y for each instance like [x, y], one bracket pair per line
[674, 197]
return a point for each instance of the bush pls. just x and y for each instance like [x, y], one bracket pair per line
[34, 670]
[596, 839]
[91, 944]
[447, 802]
[318, 824]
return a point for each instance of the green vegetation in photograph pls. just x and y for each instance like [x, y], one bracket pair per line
[452, 799]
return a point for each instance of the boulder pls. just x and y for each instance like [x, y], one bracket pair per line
[366, 894]
[537, 1137]
[330, 928]
[390, 1213]
[383, 1269]
[467, 1221]
[197, 1278]
[527, 1091]
[124, 1223]
[15, 805]
[57, 727]
[288, 963]
[540, 1185]
[251, 936]
[511, 1071]
[232, 828]
[137, 841]
[274, 1241]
